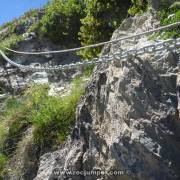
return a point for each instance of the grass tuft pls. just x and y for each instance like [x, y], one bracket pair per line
[52, 118]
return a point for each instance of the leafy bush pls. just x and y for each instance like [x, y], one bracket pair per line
[13, 27]
[102, 18]
[61, 22]
[71, 23]
[12, 32]
[88, 70]
[1, 90]
[169, 15]
[52, 117]
[138, 7]
[12, 41]
[3, 160]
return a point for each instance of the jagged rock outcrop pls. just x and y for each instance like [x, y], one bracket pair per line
[128, 119]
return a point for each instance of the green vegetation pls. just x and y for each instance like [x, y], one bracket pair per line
[88, 70]
[12, 41]
[68, 23]
[13, 26]
[52, 118]
[1, 90]
[102, 17]
[61, 22]
[44, 112]
[168, 15]
[81, 22]
[3, 160]
[71, 23]
[13, 31]
[138, 7]
[74, 22]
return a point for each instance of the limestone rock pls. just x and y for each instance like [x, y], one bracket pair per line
[128, 119]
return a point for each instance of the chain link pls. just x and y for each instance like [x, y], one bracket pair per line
[117, 54]
[114, 41]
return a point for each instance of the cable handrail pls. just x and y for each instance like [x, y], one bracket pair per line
[158, 46]
[94, 45]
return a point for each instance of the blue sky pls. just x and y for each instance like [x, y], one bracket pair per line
[10, 9]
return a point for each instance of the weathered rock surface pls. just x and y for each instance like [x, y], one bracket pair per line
[127, 120]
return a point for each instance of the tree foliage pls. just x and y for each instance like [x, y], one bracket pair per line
[102, 18]
[61, 21]
[70, 23]
[169, 15]
[138, 7]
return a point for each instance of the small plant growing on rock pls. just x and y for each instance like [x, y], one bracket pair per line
[138, 7]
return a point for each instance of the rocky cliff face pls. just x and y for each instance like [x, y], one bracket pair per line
[128, 119]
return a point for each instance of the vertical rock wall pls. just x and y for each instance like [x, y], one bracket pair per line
[128, 119]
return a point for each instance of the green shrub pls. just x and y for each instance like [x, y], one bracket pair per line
[11, 42]
[61, 22]
[1, 90]
[16, 28]
[30, 14]
[138, 7]
[165, 19]
[3, 160]
[88, 70]
[52, 117]
[13, 123]
[71, 23]
[23, 21]
[102, 18]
